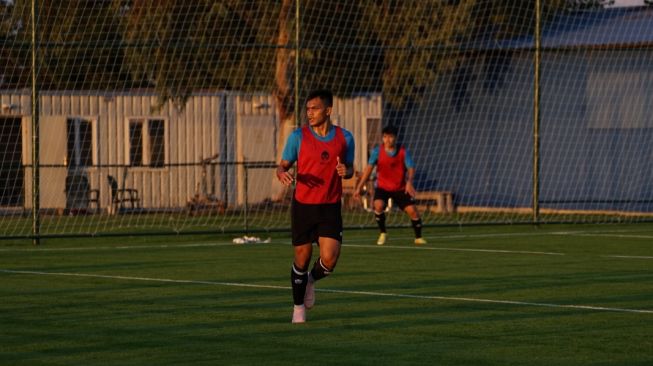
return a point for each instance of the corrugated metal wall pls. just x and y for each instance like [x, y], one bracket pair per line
[476, 139]
[234, 126]
[352, 114]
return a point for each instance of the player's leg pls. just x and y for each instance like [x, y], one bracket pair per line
[416, 222]
[303, 224]
[323, 266]
[326, 262]
[299, 273]
[380, 202]
[407, 204]
[329, 239]
[379, 217]
[299, 280]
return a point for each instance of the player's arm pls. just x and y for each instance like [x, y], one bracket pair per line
[410, 188]
[349, 171]
[283, 174]
[410, 173]
[367, 172]
[346, 170]
[288, 158]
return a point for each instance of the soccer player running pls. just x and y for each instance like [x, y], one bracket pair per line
[394, 179]
[324, 154]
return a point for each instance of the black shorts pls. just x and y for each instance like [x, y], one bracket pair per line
[311, 221]
[399, 198]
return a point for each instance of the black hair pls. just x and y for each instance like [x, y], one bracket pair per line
[390, 130]
[324, 94]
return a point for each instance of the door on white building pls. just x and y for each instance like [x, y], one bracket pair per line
[12, 177]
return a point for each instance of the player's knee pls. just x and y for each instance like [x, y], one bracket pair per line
[329, 264]
[412, 212]
[302, 262]
[379, 206]
[302, 257]
[299, 268]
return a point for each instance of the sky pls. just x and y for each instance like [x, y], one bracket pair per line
[629, 3]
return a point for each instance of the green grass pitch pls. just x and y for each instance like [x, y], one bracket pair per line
[484, 295]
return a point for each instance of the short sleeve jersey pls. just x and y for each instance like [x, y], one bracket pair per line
[317, 179]
[391, 167]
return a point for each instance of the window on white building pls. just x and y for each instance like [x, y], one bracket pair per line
[146, 143]
[81, 146]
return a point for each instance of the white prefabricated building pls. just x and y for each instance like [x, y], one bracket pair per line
[156, 151]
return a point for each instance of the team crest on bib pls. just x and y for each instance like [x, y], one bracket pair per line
[324, 156]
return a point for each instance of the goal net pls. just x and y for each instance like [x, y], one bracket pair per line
[170, 116]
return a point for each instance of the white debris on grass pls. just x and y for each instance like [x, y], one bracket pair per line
[250, 240]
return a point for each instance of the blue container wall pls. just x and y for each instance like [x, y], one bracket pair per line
[473, 134]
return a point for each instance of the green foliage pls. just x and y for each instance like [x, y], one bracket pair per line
[337, 50]
[395, 47]
[422, 39]
[79, 45]
[178, 47]
[413, 36]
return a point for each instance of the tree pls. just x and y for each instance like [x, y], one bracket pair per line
[79, 45]
[178, 47]
[333, 54]
[420, 40]
[395, 47]
[414, 37]
[13, 54]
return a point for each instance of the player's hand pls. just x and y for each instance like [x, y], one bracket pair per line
[357, 193]
[341, 168]
[410, 189]
[284, 177]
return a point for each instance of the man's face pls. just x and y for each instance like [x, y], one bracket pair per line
[389, 140]
[317, 112]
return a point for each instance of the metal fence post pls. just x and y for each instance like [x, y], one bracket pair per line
[36, 219]
[536, 113]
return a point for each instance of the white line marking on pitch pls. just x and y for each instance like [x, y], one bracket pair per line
[623, 236]
[627, 256]
[132, 278]
[122, 247]
[370, 293]
[457, 249]
[606, 233]
[164, 246]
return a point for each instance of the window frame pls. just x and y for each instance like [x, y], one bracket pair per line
[146, 151]
[95, 146]
[366, 144]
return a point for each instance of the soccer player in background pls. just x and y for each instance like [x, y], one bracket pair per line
[324, 154]
[394, 179]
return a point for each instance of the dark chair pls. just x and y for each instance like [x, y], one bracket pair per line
[79, 194]
[94, 198]
[120, 196]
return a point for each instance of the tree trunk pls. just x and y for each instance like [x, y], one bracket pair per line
[283, 91]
